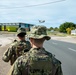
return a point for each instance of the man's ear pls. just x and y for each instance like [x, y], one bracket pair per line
[31, 40]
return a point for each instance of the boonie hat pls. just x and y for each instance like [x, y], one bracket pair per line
[21, 31]
[38, 32]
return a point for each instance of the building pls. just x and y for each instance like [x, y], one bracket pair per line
[14, 26]
[73, 32]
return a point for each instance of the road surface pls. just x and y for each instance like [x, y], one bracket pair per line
[66, 53]
[4, 67]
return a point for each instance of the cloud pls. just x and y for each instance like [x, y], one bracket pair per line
[53, 14]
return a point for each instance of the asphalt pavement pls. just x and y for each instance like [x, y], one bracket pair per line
[4, 67]
[65, 52]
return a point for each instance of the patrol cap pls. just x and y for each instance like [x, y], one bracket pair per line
[21, 31]
[38, 32]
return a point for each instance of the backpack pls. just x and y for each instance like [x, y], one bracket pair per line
[40, 63]
[19, 49]
[22, 47]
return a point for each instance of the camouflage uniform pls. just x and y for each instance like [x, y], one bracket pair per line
[17, 48]
[24, 65]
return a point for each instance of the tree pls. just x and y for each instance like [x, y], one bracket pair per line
[68, 30]
[56, 29]
[51, 28]
[73, 28]
[66, 25]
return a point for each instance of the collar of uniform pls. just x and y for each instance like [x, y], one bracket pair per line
[22, 40]
[37, 48]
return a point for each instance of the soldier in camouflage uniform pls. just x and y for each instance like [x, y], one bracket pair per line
[37, 61]
[17, 48]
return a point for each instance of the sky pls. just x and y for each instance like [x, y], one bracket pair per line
[54, 14]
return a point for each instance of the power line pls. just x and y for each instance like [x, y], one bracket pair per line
[35, 5]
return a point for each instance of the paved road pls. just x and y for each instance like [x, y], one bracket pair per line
[66, 53]
[4, 67]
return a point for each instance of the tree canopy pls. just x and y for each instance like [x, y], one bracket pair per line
[66, 25]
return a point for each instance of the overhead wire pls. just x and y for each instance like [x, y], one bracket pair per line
[34, 5]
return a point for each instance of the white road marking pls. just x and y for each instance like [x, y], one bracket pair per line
[54, 43]
[72, 49]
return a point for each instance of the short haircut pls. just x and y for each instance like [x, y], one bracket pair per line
[21, 34]
[39, 41]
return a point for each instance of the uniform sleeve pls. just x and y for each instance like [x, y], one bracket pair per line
[19, 66]
[16, 69]
[59, 70]
[7, 54]
[57, 66]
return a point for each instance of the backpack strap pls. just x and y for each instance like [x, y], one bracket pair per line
[13, 57]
